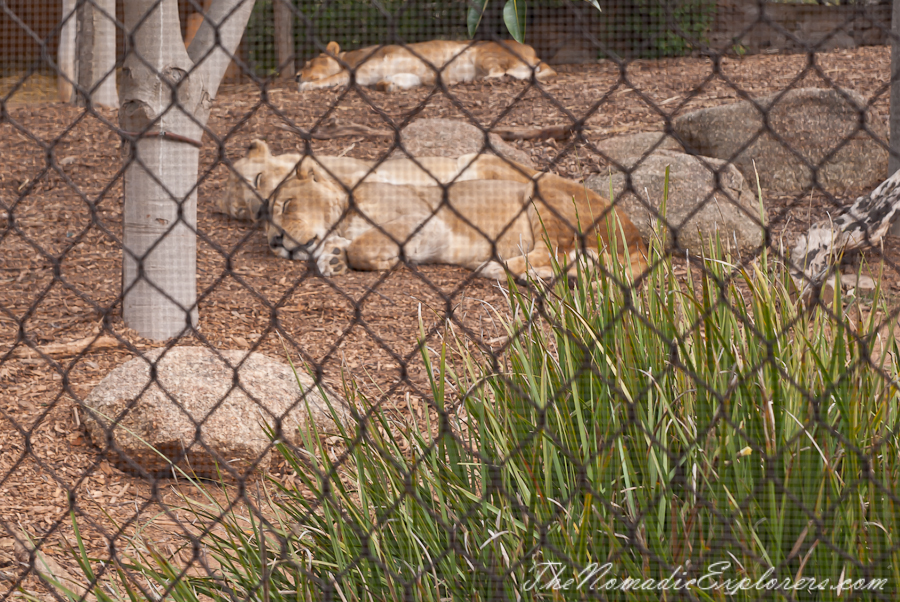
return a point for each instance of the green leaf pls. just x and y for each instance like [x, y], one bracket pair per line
[476, 11]
[596, 4]
[514, 17]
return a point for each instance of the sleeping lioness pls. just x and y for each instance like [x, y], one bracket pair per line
[255, 176]
[534, 218]
[401, 67]
[244, 196]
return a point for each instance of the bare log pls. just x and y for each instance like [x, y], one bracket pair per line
[862, 225]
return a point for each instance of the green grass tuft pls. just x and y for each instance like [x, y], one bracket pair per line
[691, 423]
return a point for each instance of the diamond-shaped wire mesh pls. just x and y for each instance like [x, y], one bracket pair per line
[607, 316]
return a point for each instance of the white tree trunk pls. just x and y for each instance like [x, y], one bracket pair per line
[284, 38]
[96, 44]
[65, 56]
[160, 217]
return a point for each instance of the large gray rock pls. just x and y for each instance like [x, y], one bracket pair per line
[811, 121]
[627, 150]
[198, 381]
[732, 211]
[451, 138]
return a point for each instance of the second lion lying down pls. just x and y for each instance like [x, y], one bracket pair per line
[515, 218]
[392, 68]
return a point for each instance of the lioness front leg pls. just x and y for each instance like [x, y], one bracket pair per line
[338, 80]
[401, 81]
[376, 250]
[513, 67]
[538, 263]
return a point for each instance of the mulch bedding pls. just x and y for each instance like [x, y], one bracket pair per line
[44, 454]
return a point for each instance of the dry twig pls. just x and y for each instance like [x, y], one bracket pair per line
[70, 348]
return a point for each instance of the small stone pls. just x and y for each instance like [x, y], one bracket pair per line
[861, 283]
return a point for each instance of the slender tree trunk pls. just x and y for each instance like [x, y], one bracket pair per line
[96, 46]
[894, 158]
[160, 217]
[284, 38]
[194, 22]
[65, 56]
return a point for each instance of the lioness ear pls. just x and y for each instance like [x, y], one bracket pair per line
[333, 48]
[305, 172]
[258, 149]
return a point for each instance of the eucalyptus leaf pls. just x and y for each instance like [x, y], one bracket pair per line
[514, 17]
[476, 12]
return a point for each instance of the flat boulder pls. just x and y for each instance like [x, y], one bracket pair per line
[451, 138]
[201, 399]
[628, 150]
[731, 210]
[811, 121]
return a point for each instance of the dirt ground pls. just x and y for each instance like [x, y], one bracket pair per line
[45, 457]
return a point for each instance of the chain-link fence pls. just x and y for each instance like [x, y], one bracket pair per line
[609, 314]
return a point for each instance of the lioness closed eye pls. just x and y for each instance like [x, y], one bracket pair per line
[312, 219]
[402, 67]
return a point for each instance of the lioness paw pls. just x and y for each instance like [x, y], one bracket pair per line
[333, 259]
[492, 270]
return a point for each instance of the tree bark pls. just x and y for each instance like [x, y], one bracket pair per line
[65, 56]
[158, 96]
[284, 38]
[95, 68]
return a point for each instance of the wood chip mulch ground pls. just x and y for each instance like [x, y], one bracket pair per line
[45, 457]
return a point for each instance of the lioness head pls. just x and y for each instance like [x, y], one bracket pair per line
[322, 66]
[544, 72]
[243, 197]
[302, 212]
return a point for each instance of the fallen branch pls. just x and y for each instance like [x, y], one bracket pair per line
[556, 132]
[860, 226]
[336, 132]
[70, 348]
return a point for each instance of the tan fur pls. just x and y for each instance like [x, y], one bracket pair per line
[255, 177]
[259, 173]
[533, 217]
[401, 67]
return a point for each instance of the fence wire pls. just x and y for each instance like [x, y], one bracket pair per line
[688, 391]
